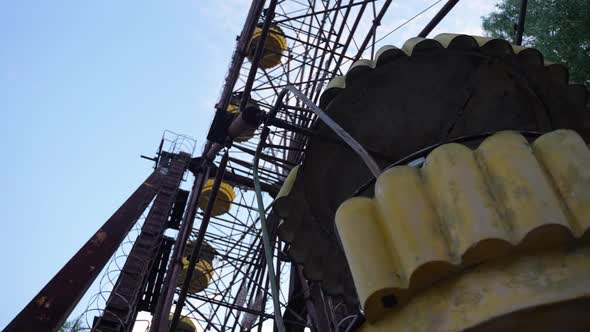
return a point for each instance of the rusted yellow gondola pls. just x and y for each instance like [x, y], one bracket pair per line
[185, 324]
[203, 272]
[224, 198]
[274, 46]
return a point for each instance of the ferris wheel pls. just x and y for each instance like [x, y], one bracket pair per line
[305, 125]
[287, 45]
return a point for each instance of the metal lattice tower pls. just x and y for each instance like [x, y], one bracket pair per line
[323, 39]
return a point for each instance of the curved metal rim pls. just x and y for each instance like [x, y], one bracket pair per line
[422, 153]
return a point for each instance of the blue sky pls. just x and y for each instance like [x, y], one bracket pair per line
[88, 86]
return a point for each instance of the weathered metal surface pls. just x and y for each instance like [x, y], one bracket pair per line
[407, 99]
[417, 45]
[198, 244]
[162, 309]
[178, 209]
[50, 308]
[463, 208]
[235, 179]
[156, 276]
[543, 292]
[121, 307]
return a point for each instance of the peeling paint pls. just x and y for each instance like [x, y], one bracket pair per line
[462, 211]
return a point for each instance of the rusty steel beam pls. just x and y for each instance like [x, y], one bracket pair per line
[258, 53]
[162, 310]
[120, 309]
[49, 309]
[195, 255]
[325, 11]
[376, 23]
[240, 53]
[520, 26]
[437, 18]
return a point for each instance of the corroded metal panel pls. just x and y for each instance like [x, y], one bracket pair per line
[543, 292]
[463, 208]
[410, 98]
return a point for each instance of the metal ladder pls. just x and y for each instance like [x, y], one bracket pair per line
[121, 307]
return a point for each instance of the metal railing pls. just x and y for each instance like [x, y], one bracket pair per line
[345, 136]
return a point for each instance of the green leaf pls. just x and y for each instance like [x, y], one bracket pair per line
[560, 29]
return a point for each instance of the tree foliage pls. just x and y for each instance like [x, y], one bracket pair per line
[72, 326]
[559, 29]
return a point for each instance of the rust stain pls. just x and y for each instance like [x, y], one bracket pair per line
[41, 300]
[43, 317]
[99, 238]
[481, 213]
